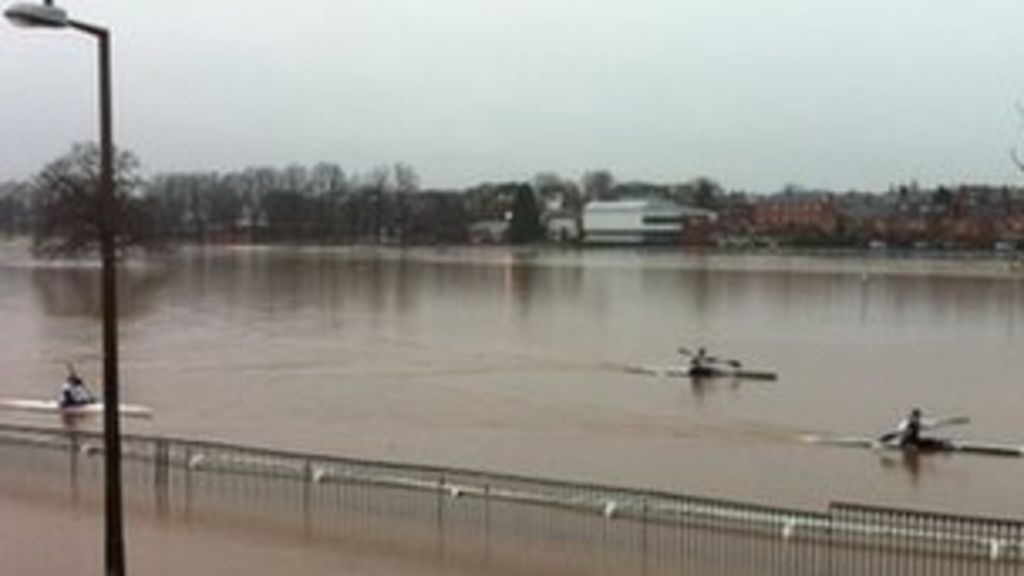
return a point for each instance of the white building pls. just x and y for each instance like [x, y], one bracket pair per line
[488, 232]
[562, 228]
[650, 221]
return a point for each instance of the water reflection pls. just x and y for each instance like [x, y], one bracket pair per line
[71, 291]
[702, 388]
[526, 280]
[73, 422]
[697, 296]
[913, 463]
[518, 281]
[286, 282]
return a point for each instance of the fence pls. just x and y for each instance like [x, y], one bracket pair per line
[513, 524]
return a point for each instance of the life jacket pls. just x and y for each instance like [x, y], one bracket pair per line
[67, 395]
[910, 431]
[74, 395]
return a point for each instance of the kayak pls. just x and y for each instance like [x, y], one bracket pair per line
[720, 373]
[926, 446]
[54, 407]
[701, 373]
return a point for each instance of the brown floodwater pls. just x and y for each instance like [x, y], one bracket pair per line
[512, 361]
[43, 533]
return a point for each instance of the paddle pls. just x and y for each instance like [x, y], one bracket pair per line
[943, 422]
[709, 359]
[734, 364]
[888, 437]
[705, 360]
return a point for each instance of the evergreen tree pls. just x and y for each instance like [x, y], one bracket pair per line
[525, 226]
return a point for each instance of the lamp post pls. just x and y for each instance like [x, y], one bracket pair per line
[46, 15]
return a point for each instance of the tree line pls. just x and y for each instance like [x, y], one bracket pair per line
[322, 204]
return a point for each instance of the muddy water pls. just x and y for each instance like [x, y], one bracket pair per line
[512, 361]
[40, 536]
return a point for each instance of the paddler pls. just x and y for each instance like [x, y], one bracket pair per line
[74, 392]
[699, 363]
[908, 433]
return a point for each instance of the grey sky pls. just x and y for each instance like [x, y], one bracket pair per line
[755, 93]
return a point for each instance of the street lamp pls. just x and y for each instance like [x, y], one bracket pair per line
[46, 15]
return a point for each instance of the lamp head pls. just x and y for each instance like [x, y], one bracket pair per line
[44, 15]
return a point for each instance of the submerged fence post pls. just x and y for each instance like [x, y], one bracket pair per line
[643, 537]
[161, 476]
[440, 517]
[307, 497]
[487, 524]
[188, 481]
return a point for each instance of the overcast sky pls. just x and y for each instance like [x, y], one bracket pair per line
[754, 93]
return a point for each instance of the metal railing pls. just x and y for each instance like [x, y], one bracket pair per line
[512, 523]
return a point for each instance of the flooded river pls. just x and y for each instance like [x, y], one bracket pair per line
[513, 361]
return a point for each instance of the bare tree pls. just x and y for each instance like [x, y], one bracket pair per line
[405, 177]
[377, 184]
[407, 182]
[67, 208]
[1013, 152]
[597, 185]
[295, 179]
[15, 203]
[327, 177]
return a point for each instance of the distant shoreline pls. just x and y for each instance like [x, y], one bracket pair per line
[864, 262]
[861, 263]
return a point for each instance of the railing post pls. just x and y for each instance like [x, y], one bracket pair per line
[606, 520]
[161, 476]
[440, 517]
[643, 537]
[830, 542]
[188, 481]
[307, 497]
[487, 524]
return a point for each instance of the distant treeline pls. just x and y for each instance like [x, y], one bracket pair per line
[324, 204]
[297, 203]
[317, 204]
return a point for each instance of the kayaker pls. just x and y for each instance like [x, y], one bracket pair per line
[700, 363]
[74, 392]
[909, 429]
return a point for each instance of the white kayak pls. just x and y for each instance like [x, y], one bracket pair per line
[54, 407]
[687, 372]
[931, 445]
